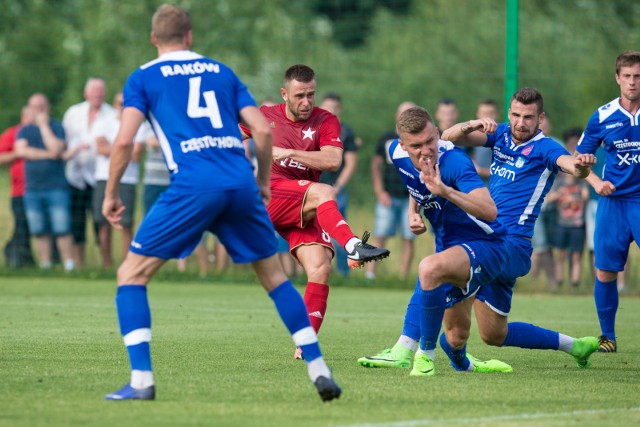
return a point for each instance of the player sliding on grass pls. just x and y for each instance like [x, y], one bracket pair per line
[194, 104]
[306, 141]
[525, 163]
[470, 245]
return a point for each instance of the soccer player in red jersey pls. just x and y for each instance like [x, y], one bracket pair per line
[306, 141]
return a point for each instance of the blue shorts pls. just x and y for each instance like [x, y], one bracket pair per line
[391, 219]
[617, 225]
[48, 211]
[488, 259]
[497, 293]
[174, 225]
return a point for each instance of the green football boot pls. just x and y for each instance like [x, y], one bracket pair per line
[423, 366]
[582, 349]
[396, 357]
[492, 365]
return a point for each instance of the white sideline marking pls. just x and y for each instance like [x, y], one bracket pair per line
[525, 416]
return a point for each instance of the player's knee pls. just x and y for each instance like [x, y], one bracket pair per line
[457, 337]
[428, 273]
[131, 274]
[320, 272]
[322, 192]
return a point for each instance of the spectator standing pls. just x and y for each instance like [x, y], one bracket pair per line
[571, 196]
[80, 122]
[332, 102]
[392, 201]
[106, 131]
[47, 197]
[17, 251]
[446, 113]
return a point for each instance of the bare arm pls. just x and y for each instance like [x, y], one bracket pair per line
[121, 150]
[416, 223]
[472, 133]
[263, 140]
[54, 144]
[603, 188]
[23, 151]
[477, 202]
[329, 158]
[578, 165]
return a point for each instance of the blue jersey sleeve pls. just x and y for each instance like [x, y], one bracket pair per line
[133, 93]
[553, 150]
[457, 171]
[592, 136]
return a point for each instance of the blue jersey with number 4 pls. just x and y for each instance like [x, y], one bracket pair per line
[451, 225]
[618, 131]
[521, 176]
[193, 104]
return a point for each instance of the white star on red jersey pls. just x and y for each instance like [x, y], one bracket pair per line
[308, 133]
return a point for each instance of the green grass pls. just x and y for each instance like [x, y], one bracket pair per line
[222, 357]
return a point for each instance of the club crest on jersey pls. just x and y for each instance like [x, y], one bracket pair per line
[527, 150]
[519, 162]
[272, 125]
[308, 133]
[302, 182]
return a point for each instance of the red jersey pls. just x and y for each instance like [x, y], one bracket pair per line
[320, 129]
[16, 171]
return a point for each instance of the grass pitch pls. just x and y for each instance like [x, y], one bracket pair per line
[222, 358]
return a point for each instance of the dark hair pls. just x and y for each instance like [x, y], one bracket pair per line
[413, 120]
[627, 59]
[571, 133]
[170, 24]
[334, 96]
[447, 101]
[299, 72]
[528, 96]
[489, 101]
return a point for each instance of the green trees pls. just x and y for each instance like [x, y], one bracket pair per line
[396, 50]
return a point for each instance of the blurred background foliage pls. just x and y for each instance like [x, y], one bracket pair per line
[376, 53]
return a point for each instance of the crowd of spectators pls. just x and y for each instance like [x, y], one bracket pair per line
[58, 171]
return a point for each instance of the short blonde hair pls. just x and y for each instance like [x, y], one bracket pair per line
[170, 24]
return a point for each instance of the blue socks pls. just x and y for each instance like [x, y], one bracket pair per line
[411, 326]
[458, 358]
[294, 314]
[431, 314]
[134, 317]
[526, 335]
[606, 297]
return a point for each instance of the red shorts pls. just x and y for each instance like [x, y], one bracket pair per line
[285, 211]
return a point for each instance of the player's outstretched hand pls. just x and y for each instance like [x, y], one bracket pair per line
[112, 209]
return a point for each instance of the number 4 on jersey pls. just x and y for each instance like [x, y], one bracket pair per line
[195, 111]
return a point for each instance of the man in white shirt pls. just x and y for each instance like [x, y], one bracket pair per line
[80, 122]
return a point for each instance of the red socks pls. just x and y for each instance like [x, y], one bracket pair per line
[315, 298]
[332, 221]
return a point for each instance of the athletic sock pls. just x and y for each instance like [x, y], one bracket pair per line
[411, 328]
[526, 335]
[407, 342]
[458, 358]
[315, 298]
[294, 315]
[332, 221]
[606, 297]
[134, 317]
[431, 314]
